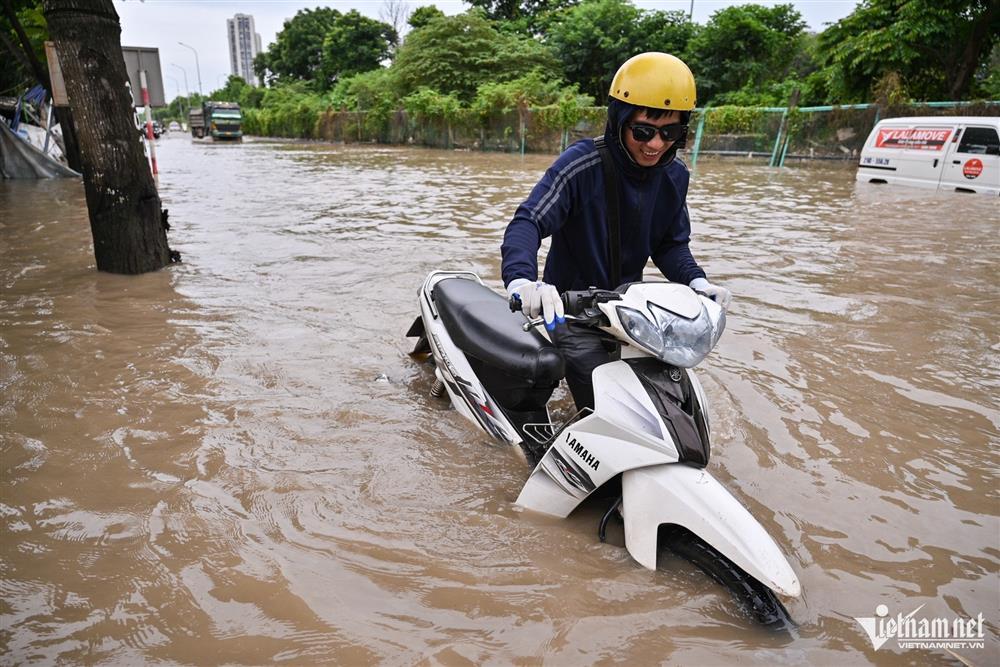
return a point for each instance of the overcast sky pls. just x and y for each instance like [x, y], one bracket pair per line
[201, 24]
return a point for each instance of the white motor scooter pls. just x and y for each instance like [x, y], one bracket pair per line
[649, 428]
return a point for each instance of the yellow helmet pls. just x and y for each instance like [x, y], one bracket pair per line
[655, 80]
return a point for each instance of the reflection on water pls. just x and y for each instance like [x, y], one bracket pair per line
[234, 460]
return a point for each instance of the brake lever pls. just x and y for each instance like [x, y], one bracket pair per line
[531, 324]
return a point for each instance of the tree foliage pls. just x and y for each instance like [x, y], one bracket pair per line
[15, 74]
[321, 45]
[421, 16]
[939, 49]
[515, 10]
[355, 44]
[591, 40]
[744, 48]
[427, 104]
[365, 91]
[457, 54]
[518, 94]
[297, 52]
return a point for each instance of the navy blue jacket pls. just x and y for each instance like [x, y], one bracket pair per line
[569, 204]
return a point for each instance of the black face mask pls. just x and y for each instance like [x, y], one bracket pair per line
[644, 133]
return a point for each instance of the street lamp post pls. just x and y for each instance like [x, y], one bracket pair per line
[196, 65]
[187, 90]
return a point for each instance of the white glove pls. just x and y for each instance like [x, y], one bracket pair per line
[720, 295]
[538, 297]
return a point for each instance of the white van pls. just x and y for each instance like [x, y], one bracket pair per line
[947, 152]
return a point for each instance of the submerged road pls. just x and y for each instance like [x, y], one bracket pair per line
[234, 460]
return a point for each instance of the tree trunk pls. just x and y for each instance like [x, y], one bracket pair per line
[125, 218]
[71, 145]
[965, 67]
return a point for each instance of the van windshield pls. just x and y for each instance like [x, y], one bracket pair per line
[980, 140]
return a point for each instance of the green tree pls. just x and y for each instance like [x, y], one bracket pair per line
[355, 44]
[456, 54]
[232, 91]
[421, 16]
[745, 47]
[532, 89]
[17, 18]
[592, 39]
[990, 82]
[297, 51]
[427, 104]
[513, 10]
[365, 91]
[937, 48]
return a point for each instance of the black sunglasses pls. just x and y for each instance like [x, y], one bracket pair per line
[643, 133]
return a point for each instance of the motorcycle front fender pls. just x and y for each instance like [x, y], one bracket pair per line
[692, 498]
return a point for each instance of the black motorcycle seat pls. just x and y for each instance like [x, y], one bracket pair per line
[481, 325]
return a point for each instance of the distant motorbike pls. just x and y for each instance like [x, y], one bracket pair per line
[647, 434]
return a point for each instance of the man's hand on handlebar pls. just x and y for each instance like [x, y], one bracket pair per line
[537, 298]
[719, 294]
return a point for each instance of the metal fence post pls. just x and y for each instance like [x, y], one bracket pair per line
[777, 139]
[697, 137]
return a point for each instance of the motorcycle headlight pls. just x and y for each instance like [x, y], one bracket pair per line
[676, 340]
[641, 329]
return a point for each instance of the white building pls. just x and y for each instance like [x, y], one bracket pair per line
[244, 45]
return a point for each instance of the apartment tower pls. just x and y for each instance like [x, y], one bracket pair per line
[244, 45]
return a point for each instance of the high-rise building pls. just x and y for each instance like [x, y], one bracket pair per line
[244, 45]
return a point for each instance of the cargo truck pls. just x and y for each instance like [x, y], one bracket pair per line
[222, 121]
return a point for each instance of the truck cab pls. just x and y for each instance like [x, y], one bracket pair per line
[956, 153]
[224, 121]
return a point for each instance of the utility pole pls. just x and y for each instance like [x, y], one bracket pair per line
[187, 91]
[124, 207]
[196, 65]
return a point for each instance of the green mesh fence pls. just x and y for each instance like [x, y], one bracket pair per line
[778, 134]
[770, 134]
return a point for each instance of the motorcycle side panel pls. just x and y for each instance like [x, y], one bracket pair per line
[692, 498]
[624, 432]
[620, 398]
[466, 392]
[582, 458]
[699, 394]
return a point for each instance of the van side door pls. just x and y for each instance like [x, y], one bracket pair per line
[973, 161]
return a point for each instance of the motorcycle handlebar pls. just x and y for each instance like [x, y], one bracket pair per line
[574, 302]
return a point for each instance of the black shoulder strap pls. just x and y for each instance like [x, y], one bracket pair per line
[612, 197]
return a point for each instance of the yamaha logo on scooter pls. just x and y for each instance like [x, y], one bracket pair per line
[582, 452]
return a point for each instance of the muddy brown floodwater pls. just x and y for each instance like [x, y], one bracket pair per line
[234, 460]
